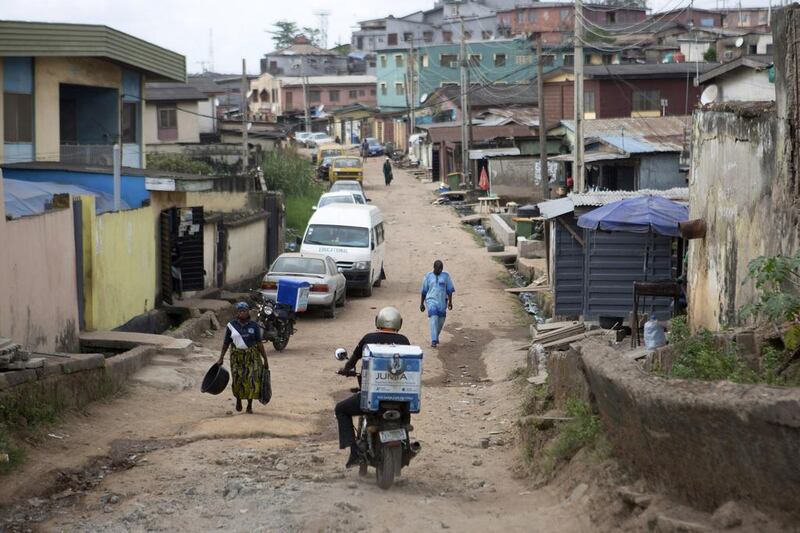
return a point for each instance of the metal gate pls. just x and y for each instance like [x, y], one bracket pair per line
[435, 165]
[181, 251]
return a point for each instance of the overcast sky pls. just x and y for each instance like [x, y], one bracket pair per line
[239, 28]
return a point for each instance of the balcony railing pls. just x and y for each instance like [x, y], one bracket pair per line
[101, 155]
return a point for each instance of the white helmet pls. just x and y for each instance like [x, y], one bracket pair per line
[389, 318]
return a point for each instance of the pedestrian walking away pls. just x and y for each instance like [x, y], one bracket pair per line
[387, 171]
[248, 357]
[437, 298]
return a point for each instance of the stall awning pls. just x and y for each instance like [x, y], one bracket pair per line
[493, 152]
[590, 157]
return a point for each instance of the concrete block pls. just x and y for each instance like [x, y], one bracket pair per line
[18, 377]
[532, 268]
[35, 362]
[179, 347]
[82, 362]
[530, 249]
[504, 233]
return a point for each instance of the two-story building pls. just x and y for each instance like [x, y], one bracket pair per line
[327, 92]
[71, 91]
[617, 91]
[303, 58]
[555, 21]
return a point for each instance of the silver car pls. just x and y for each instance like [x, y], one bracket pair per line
[328, 285]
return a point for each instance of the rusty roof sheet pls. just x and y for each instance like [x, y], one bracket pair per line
[637, 135]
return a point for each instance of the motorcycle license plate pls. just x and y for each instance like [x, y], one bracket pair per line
[392, 435]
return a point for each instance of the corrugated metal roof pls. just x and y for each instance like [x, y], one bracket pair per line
[172, 92]
[555, 208]
[590, 157]
[493, 152]
[36, 39]
[637, 135]
[600, 198]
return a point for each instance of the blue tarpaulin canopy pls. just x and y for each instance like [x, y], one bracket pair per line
[642, 214]
[23, 198]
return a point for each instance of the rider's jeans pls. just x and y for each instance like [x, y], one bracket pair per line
[345, 411]
[436, 323]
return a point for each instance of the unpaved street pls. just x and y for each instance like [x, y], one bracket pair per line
[163, 459]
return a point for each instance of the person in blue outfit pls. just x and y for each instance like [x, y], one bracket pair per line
[437, 298]
[248, 357]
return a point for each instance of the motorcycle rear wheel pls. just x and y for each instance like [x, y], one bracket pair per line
[281, 340]
[390, 462]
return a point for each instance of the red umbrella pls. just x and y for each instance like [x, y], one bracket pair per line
[484, 181]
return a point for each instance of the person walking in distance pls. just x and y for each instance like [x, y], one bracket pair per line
[437, 298]
[387, 171]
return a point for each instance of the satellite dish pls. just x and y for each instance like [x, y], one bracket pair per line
[710, 95]
[739, 42]
[423, 98]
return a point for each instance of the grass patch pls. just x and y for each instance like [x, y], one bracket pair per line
[475, 237]
[704, 357]
[299, 210]
[505, 278]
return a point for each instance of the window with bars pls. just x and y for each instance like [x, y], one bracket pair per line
[398, 61]
[167, 123]
[499, 60]
[524, 59]
[333, 96]
[447, 36]
[408, 36]
[18, 117]
[392, 38]
[427, 36]
[399, 89]
[448, 60]
[354, 94]
[315, 96]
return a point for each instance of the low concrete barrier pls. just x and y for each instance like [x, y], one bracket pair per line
[706, 442]
[503, 233]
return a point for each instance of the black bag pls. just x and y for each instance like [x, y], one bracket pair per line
[266, 387]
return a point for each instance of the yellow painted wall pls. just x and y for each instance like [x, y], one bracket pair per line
[188, 123]
[48, 74]
[119, 265]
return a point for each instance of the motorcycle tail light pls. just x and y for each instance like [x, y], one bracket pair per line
[269, 285]
[319, 287]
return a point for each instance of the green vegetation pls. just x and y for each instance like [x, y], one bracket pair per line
[710, 55]
[179, 163]
[705, 357]
[777, 281]
[288, 172]
[583, 431]
[475, 237]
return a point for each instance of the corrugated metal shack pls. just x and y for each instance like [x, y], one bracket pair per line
[592, 272]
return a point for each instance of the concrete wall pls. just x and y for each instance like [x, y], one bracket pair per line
[38, 285]
[515, 178]
[707, 443]
[119, 252]
[223, 202]
[188, 122]
[246, 257]
[746, 85]
[49, 73]
[740, 186]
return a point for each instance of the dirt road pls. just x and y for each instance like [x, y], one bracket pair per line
[165, 457]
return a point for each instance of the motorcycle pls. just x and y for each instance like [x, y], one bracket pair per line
[275, 320]
[383, 436]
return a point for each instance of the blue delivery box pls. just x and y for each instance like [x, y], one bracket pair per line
[390, 373]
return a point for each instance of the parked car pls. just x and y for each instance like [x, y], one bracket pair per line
[343, 197]
[374, 147]
[353, 235]
[317, 139]
[328, 284]
[346, 167]
[300, 137]
[347, 185]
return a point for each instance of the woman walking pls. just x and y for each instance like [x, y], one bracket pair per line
[248, 357]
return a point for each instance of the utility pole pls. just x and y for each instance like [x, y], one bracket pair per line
[578, 170]
[245, 106]
[542, 122]
[412, 67]
[465, 119]
[307, 115]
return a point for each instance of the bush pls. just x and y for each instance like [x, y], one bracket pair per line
[285, 170]
[179, 163]
[710, 55]
[704, 357]
[777, 281]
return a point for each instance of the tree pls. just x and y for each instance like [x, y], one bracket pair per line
[710, 55]
[284, 31]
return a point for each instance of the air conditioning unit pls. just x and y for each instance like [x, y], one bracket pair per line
[728, 55]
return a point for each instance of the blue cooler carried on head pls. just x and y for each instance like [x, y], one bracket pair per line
[390, 373]
[294, 294]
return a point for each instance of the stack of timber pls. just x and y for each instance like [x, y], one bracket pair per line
[561, 334]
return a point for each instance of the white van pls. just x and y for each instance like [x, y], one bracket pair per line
[353, 235]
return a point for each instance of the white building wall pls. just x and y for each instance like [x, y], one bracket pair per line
[746, 85]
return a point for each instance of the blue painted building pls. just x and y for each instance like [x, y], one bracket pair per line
[500, 61]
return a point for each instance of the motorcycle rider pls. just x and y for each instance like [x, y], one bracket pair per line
[388, 322]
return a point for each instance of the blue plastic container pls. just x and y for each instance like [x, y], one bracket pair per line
[391, 373]
[294, 294]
